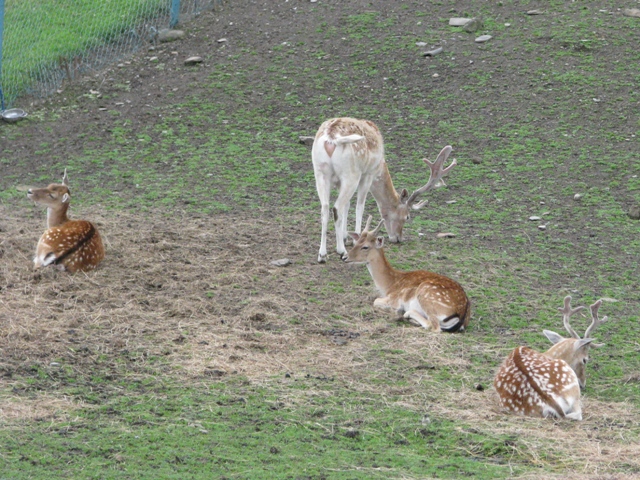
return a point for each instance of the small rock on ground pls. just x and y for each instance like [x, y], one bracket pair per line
[483, 38]
[473, 25]
[433, 52]
[308, 141]
[631, 12]
[283, 262]
[193, 60]
[458, 21]
[166, 35]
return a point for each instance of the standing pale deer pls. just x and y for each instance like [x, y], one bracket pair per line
[548, 384]
[432, 301]
[72, 245]
[349, 153]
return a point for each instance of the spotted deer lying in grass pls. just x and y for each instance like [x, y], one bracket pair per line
[72, 245]
[548, 384]
[349, 153]
[428, 299]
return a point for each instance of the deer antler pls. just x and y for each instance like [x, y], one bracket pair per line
[65, 178]
[377, 229]
[435, 176]
[368, 224]
[567, 311]
[595, 321]
[366, 227]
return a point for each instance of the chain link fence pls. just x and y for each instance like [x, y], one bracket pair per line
[43, 42]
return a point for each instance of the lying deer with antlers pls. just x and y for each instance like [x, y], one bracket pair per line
[349, 153]
[72, 245]
[432, 301]
[548, 384]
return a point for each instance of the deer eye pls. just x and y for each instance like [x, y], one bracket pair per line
[51, 195]
[365, 247]
[585, 360]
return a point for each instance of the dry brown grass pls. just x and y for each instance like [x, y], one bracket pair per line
[201, 292]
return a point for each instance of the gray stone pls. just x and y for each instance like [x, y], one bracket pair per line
[283, 262]
[308, 141]
[166, 35]
[535, 12]
[432, 53]
[631, 12]
[458, 21]
[473, 25]
[483, 38]
[193, 60]
[634, 212]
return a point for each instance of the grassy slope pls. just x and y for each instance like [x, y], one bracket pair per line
[514, 153]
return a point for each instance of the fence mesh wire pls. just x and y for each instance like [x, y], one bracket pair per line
[48, 41]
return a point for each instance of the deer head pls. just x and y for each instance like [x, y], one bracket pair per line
[365, 243]
[54, 195]
[55, 198]
[575, 350]
[395, 218]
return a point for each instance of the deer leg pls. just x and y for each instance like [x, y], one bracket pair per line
[384, 303]
[341, 212]
[323, 184]
[363, 190]
[425, 322]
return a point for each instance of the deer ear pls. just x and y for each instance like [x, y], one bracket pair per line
[581, 343]
[66, 198]
[552, 336]
[379, 242]
[355, 236]
[404, 195]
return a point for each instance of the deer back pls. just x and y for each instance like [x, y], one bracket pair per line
[532, 383]
[74, 246]
[361, 138]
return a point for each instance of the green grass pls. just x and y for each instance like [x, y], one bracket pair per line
[43, 37]
[298, 427]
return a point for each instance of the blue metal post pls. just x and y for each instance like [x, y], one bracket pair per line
[175, 12]
[1, 34]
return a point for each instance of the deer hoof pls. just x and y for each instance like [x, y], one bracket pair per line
[322, 259]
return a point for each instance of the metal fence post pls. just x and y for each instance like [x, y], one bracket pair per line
[1, 35]
[175, 12]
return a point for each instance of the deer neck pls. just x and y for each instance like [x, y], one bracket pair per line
[562, 350]
[383, 190]
[383, 274]
[57, 216]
